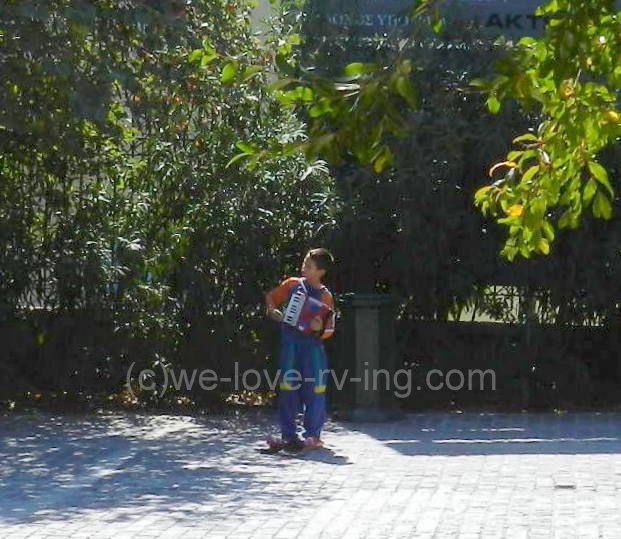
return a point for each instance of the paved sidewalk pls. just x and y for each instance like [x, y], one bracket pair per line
[429, 475]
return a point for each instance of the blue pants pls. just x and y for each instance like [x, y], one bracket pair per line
[302, 381]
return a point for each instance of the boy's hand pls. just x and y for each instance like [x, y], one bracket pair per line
[316, 324]
[274, 314]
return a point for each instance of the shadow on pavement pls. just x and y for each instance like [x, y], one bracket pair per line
[55, 467]
[498, 434]
[134, 466]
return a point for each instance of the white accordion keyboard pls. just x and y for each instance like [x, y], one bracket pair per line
[294, 309]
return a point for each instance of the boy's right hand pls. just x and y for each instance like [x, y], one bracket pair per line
[316, 324]
[275, 314]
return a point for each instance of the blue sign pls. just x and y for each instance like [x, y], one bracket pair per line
[513, 18]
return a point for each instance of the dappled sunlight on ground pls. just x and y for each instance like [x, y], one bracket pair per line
[146, 475]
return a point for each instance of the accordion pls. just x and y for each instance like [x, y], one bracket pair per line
[302, 309]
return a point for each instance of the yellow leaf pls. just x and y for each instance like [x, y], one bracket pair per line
[544, 246]
[480, 194]
[611, 116]
[567, 89]
[515, 211]
[510, 164]
[378, 165]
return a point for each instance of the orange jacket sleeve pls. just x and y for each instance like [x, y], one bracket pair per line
[277, 296]
[328, 330]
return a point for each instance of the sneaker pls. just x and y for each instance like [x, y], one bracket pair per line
[274, 442]
[313, 442]
[295, 444]
[277, 443]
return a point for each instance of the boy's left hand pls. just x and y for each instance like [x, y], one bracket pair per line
[316, 324]
[275, 314]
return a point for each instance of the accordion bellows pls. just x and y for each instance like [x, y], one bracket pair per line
[302, 308]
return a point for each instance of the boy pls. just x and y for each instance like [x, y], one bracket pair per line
[302, 359]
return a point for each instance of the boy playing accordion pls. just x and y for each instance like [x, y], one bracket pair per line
[306, 322]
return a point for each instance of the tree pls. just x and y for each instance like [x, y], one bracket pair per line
[116, 126]
[571, 77]
[568, 79]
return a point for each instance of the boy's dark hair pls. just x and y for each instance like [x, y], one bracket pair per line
[322, 258]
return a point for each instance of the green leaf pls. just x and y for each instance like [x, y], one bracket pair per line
[549, 7]
[493, 104]
[404, 88]
[544, 246]
[300, 94]
[418, 7]
[195, 55]
[511, 220]
[600, 174]
[251, 71]
[353, 69]
[358, 68]
[207, 59]
[228, 73]
[602, 206]
[286, 64]
[248, 149]
[525, 251]
[528, 175]
[481, 193]
[304, 94]
[528, 41]
[294, 39]
[525, 137]
[323, 106]
[589, 191]
[566, 220]
[384, 159]
[548, 230]
[437, 23]
[236, 158]
[281, 83]
[482, 84]
[208, 47]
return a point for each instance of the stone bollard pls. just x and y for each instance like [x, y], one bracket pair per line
[363, 358]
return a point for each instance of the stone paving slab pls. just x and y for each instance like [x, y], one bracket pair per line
[426, 475]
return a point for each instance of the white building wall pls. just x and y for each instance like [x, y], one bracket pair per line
[262, 10]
